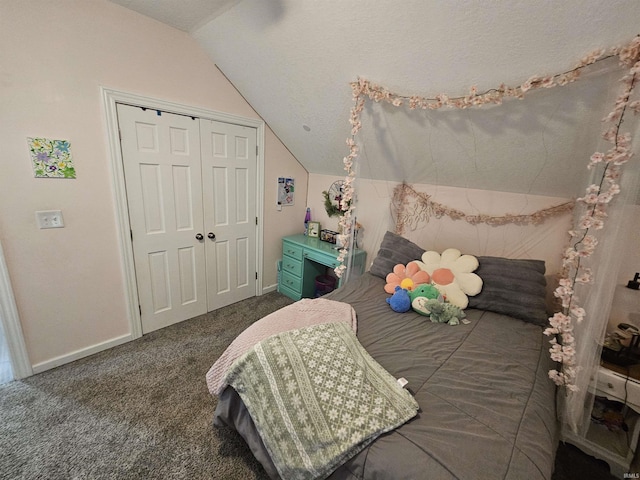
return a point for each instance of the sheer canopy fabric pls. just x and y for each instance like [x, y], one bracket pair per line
[516, 158]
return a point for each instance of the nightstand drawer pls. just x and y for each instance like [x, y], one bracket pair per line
[321, 258]
[292, 250]
[616, 386]
[291, 282]
[291, 265]
[293, 295]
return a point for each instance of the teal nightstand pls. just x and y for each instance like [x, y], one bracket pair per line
[304, 258]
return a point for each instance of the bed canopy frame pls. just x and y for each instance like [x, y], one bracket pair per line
[576, 331]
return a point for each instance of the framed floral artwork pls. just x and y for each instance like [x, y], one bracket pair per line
[51, 158]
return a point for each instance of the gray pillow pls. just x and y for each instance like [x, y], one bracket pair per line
[394, 250]
[514, 287]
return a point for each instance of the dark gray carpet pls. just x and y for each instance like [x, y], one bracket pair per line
[142, 411]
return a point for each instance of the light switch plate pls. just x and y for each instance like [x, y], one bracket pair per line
[49, 219]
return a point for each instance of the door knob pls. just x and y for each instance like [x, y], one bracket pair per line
[199, 236]
[212, 235]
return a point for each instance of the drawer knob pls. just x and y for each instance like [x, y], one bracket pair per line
[610, 385]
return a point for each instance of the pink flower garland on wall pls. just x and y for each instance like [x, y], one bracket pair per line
[594, 203]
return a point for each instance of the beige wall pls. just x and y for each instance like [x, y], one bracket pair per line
[55, 56]
[544, 242]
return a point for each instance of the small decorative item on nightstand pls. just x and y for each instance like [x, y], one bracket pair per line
[328, 235]
[314, 229]
[307, 219]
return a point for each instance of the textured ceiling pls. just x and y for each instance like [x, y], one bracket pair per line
[293, 61]
[185, 15]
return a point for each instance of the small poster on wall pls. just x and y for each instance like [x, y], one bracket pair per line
[286, 191]
[51, 158]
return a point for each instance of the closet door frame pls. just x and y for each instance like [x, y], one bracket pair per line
[110, 99]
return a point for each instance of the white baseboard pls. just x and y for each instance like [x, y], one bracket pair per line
[85, 352]
[270, 288]
[78, 354]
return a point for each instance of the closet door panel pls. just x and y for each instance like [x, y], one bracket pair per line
[163, 176]
[229, 160]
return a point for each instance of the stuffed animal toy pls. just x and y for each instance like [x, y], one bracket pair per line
[443, 312]
[452, 274]
[400, 301]
[420, 295]
[408, 277]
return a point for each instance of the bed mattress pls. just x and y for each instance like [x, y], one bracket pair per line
[487, 405]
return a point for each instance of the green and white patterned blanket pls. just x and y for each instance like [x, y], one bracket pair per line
[317, 398]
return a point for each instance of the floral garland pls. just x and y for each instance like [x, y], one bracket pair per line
[425, 207]
[594, 203]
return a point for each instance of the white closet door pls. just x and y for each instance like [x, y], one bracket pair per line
[162, 164]
[229, 169]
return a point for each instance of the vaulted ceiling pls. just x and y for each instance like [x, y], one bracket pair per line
[293, 61]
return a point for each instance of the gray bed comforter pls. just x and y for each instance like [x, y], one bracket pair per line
[487, 406]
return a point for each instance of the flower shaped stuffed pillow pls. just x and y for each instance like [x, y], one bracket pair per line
[408, 277]
[452, 274]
